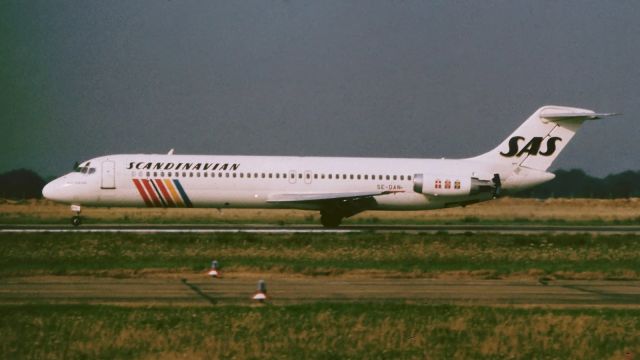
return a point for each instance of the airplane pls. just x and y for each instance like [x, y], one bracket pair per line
[338, 187]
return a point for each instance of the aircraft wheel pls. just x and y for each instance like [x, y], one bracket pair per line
[75, 221]
[330, 220]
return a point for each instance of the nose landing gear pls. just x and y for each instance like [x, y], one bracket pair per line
[76, 220]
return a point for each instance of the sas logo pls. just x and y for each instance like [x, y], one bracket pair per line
[532, 147]
[162, 192]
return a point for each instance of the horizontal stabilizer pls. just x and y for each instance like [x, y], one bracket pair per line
[575, 116]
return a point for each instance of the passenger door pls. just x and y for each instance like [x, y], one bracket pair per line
[108, 175]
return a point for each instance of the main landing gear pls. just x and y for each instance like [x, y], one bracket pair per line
[76, 220]
[330, 220]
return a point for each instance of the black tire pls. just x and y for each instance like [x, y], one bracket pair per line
[76, 221]
[330, 220]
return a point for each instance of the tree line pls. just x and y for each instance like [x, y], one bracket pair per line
[575, 183]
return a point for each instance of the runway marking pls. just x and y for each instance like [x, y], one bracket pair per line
[160, 231]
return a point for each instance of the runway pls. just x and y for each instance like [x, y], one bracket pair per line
[274, 229]
[200, 290]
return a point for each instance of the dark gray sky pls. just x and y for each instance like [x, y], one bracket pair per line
[79, 79]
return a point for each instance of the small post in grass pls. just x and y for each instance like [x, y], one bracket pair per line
[215, 269]
[261, 293]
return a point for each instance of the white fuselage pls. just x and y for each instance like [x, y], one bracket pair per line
[251, 181]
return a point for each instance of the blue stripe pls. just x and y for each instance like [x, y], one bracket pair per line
[182, 193]
[158, 192]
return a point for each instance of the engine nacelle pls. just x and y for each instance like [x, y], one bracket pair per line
[448, 185]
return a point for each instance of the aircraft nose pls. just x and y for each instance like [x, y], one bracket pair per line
[48, 191]
[53, 191]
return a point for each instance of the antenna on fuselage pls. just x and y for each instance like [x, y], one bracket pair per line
[170, 152]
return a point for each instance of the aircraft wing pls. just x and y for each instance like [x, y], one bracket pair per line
[323, 197]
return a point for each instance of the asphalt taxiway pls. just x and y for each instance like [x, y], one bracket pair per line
[200, 290]
[274, 229]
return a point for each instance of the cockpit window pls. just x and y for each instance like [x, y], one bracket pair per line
[85, 170]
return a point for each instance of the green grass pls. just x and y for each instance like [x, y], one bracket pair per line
[317, 331]
[490, 255]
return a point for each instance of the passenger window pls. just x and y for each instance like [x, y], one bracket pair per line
[330, 177]
[155, 174]
[408, 177]
[358, 176]
[190, 174]
[234, 174]
[366, 177]
[299, 176]
[322, 176]
[284, 176]
[241, 175]
[226, 174]
[308, 176]
[388, 177]
[184, 174]
[401, 177]
[351, 177]
[395, 177]
[270, 175]
[315, 176]
[277, 175]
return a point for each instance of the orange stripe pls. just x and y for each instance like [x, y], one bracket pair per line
[165, 193]
[173, 192]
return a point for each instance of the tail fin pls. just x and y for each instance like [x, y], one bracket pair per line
[539, 140]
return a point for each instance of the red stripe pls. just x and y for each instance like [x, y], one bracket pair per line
[142, 192]
[151, 192]
[165, 193]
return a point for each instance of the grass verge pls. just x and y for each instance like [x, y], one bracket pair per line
[501, 211]
[317, 331]
[580, 256]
